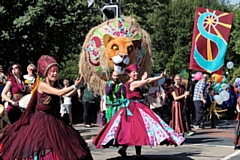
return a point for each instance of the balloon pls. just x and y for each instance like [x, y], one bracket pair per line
[216, 78]
[224, 85]
[224, 79]
[220, 102]
[218, 99]
[224, 95]
[221, 87]
[198, 76]
[161, 81]
[230, 65]
[217, 87]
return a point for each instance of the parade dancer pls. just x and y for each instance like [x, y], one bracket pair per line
[115, 93]
[135, 124]
[39, 134]
[16, 86]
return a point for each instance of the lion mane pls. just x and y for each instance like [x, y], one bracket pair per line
[97, 59]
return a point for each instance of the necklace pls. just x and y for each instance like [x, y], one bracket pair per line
[24, 87]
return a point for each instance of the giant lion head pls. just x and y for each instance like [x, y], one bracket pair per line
[120, 52]
[112, 46]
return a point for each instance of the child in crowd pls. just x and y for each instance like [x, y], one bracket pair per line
[156, 98]
[101, 117]
[210, 99]
[66, 106]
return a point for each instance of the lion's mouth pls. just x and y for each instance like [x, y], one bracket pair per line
[120, 64]
[120, 68]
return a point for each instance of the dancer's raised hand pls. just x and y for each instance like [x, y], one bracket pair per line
[144, 76]
[81, 80]
[77, 82]
[164, 73]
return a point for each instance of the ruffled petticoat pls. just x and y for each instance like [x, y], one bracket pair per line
[136, 125]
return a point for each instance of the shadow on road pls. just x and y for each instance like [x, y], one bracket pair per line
[202, 140]
[224, 127]
[205, 132]
[181, 156]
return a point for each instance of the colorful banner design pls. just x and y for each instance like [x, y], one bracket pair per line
[210, 38]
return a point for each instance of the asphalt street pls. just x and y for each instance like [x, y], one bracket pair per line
[206, 144]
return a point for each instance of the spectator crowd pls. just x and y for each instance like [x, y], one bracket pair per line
[183, 103]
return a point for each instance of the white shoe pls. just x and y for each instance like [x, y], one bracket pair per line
[196, 127]
[190, 133]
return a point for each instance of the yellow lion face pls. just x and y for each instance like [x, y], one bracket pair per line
[120, 52]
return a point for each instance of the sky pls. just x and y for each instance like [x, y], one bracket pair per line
[234, 1]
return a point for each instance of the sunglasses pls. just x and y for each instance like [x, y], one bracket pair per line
[14, 68]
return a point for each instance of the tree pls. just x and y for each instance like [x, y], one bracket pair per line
[32, 28]
[172, 37]
[69, 67]
[235, 47]
[145, 12]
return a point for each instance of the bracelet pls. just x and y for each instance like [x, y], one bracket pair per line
[74, 86]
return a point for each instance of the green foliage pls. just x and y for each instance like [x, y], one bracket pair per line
[32, 28]
[69, 66]
[233, 49]
[142, 11]
[172, 36]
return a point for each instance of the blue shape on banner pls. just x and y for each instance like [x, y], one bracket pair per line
[216, 63]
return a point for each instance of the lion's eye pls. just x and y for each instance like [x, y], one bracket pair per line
[114, 47]
[130, 49]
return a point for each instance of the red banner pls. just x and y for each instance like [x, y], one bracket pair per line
[209, 41]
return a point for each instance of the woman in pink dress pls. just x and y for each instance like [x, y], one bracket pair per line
[39, 134]
[16, 86]
[135, 124]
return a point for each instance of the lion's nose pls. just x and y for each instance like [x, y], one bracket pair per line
[123, 56]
